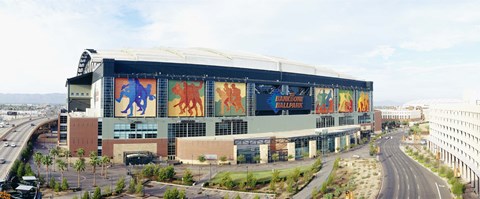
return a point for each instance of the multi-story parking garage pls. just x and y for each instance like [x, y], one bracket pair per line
[122, 101]
[455, 135]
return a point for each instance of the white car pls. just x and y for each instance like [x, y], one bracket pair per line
[5, 144]
[13, 145]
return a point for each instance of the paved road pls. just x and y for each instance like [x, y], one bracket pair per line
[19, 138]
[404, 178]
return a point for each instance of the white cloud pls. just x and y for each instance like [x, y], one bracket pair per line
[383, 51]
[42, 41]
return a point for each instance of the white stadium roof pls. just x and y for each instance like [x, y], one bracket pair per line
[206, 56]
[429, 102]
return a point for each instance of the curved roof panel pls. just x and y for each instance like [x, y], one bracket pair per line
[205, 56]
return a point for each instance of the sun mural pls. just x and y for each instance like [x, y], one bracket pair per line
[363, 102]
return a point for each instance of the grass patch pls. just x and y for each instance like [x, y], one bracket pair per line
[262, 176]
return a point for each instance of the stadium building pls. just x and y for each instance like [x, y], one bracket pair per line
[182, 103]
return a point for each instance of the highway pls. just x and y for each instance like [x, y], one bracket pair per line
[19, 138]
[403, 177]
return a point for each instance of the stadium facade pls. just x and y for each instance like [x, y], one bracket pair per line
[182, 103]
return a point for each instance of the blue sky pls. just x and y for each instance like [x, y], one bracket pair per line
[410, 49]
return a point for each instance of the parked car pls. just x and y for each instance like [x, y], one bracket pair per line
[5, 144]
[2, 161]
[13, 145]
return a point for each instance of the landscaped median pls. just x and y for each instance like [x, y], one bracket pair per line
[282, 182]
[428, 160]
[359, 178]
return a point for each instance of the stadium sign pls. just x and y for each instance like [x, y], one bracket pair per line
[277, 101]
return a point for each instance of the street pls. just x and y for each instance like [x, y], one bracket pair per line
[404, 178]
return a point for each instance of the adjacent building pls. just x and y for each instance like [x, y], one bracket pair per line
[180, 103]
[455, 136]
[401, 115]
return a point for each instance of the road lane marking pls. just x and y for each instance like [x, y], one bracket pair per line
[438, 189]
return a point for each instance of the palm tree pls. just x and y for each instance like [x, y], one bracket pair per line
[67, 154]
[104, 160]
[79, 166]
[80, 152]
[94, 161]
[54, 152]
[47, 161]
[37, 158]
[61, 166]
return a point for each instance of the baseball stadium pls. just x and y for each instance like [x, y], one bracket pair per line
[135, 105]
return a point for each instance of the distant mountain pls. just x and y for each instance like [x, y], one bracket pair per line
[49, 98]
[386, 103]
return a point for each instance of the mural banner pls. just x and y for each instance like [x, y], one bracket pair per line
[363, 101]
[345, 101]
[324, 100]
[135, 97]
[186, 98]
[230, 99]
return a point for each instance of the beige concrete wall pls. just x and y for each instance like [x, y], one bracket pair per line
[118, 150]
[312, 148]
[347, 140]
[337, 144]
[189, 150]
[291, 150]
[234, 154]
[264, 153]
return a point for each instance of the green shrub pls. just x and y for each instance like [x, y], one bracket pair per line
[120, 185]
[458, 188]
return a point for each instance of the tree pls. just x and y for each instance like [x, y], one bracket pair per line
[257, 158]
[272, 186]
[54, 153]
[64, 184]
[223, 158]
[187, 177]
[139, 188]
[80, 152]
[251, 181]
[86, 195]
[104, 161]
[51, 183]
[120, 185]
[28, 170]
[79, 166]
[290, 157]
[201, 158]
[131, 186]
[226, 181]
[57, 187]
[47, 161]
[37, 158]
[174, 194]
[94, 161]
[62, 165]
[67, 153]
[241, 158]
[97, 194]
[275, 175]
[20, 170]
[458, 188]
[275, 157]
